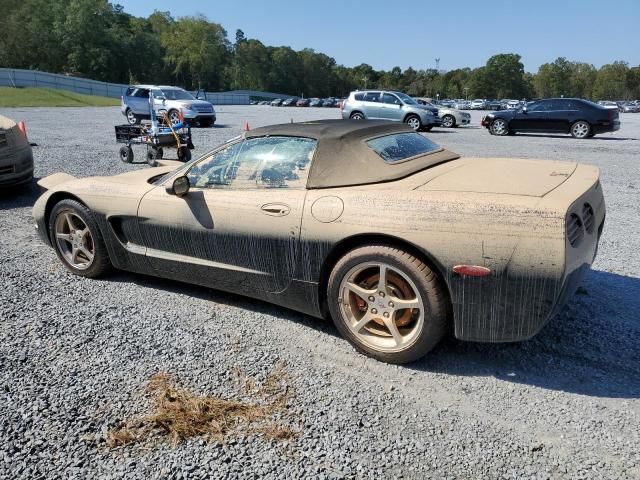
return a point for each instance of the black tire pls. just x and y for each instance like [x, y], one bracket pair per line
[184, 154]
[153, 155]
[132, 118]
[499, 127]
[101, 263]
[414, 122]
[581, 129]
[126, 154]
[428, 128]
[428, 288]
[449, 121]
[356, 116]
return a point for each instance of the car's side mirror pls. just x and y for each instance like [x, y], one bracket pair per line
[179, 187]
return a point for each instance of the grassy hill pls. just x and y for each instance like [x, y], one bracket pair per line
[49, 97]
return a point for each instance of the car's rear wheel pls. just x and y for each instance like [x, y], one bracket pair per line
[448, 121]
[387, 303]
[499, 127]
[77, 240]
[356, 116]
[414, 122]
[580, 129]
[132, 118]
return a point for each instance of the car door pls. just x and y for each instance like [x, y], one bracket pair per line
[562, 113]
[372, 106]
[140, 101]
[238, 227]
[533, 118]
[391, 107]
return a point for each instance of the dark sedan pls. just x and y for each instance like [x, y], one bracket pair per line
[290, 102]
[580, 118]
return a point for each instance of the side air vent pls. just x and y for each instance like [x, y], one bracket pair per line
[575, 232]
[588, 218]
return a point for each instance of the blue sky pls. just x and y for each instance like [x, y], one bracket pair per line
[459, 32]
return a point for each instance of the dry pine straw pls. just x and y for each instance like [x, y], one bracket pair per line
[179, 414]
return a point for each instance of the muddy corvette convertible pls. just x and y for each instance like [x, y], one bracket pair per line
[368, 222]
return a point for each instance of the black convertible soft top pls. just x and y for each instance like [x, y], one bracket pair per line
[343, 158]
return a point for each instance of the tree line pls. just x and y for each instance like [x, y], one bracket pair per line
[97, 39]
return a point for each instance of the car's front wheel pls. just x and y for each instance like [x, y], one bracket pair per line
[580, 129]
[77, 240]
[499, 127]
[132, 118]
[387, 303]
[448, 121]
[414, 122]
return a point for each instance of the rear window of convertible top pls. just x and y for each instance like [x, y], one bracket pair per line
[400, 146]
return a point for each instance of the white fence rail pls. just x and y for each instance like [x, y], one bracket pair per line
[13, 77]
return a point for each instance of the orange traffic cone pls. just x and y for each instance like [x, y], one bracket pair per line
[23, 128]
[246, 127]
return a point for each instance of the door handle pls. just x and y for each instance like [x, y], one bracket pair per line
[276, 209]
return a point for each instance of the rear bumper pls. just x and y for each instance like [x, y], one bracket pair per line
[16, 166]
[607, 127]
[542, 274]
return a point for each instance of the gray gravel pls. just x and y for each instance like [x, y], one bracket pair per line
[75, 353]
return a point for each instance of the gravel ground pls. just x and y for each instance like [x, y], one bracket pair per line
[75, 354]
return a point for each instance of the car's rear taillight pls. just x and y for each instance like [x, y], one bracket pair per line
[612, 114]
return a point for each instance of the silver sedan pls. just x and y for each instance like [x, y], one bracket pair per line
[451, 117]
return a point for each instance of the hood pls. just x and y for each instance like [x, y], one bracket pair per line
[425, 107]
[130, 178]
[534, 178]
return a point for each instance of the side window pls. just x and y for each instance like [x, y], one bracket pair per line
[372, 97]
[218, 169]
[268, 162]
[129, 92]
[157, 94]
[359, 96]
[390, 98]
[141, 93]
[538, 107]
[560, 105]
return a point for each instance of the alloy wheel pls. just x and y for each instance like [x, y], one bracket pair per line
[381, 306]
[580, 129]
[74, 240]
[414, 122]
[499, 127]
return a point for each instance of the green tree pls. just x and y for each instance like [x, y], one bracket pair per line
[611, 82]
[197, 52]
[504, 77]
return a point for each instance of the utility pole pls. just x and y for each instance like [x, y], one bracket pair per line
[437, 64]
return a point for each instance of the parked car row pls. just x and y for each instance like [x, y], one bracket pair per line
[451, 117]
[301, 102]
[581, 118]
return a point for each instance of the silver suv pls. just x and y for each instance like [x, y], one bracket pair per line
[387, 105]
[135, 105]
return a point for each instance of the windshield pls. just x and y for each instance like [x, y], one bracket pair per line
[406, 98]
[176, 94]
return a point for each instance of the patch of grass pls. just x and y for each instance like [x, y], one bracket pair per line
[179, 414]
[50, 97]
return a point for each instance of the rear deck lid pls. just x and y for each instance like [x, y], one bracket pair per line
[533, 178]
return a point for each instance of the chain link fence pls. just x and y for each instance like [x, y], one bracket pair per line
[13, 77]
